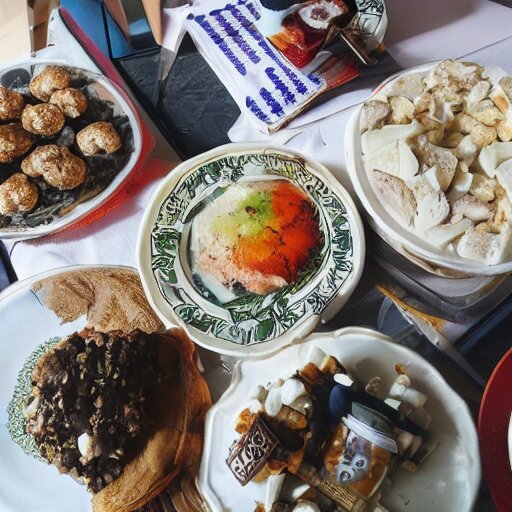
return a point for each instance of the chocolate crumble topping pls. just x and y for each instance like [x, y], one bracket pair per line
[87, 406]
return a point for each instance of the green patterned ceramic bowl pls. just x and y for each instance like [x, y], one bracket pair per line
[247, 324]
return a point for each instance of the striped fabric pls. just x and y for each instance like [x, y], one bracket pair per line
[263, 83]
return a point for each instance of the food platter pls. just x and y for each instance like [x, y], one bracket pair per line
[448, 480]
[442, 259]
[247, 324]
[58, 208]
[56, 308]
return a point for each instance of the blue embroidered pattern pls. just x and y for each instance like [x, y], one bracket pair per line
[288, 96]
[217, 39]
[239, 40]
[274, 105]
[253, 107]
[274, 93]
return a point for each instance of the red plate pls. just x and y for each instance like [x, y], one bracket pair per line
[493, 423]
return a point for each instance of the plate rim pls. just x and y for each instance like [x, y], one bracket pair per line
[163, 309]
[120, 178]
[345, 332]
[483, 403]
[409, 242]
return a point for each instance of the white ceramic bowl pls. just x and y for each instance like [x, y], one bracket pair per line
[413, 247]
[447, 481]
[257, 325]
[108, 91]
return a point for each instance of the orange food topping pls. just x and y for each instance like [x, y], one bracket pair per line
[283, 247]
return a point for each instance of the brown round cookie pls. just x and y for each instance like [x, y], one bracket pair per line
[14, 141]
[70, 101]
[98, 137]
[42, 119]
[17, 194]
[57, 165]
[11, 104]
[48, 81]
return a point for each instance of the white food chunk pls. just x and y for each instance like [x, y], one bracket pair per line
[483, 188]
[377, 139]
[31, 409]
[503, 214]
[504, 177]
[440, 158]
[396, 159]
[494, 74]
[492, 248]
[466, 150]
[477, 93]
[408, 163]
[431, 176]
[486, 113]
[306, 506]
[442, 112]
[442, 235]
[373, 115]
[395, 195]
[461, 184]
[462, 75]
[402, 110]
[472, 208]
[425, 103]
[273, 489]
[291, 390]
[317, 356]
[483, 135]
[254, 405]
[408, 86]
[501, 94]
[343, 379]
[432, 207]
[273, 402]
[504, 128]
[465, 123]
[87, 447]
[386, 159]
[494, 155]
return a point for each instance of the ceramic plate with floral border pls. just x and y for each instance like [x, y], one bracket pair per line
[234, 320]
